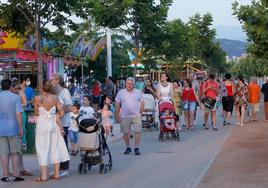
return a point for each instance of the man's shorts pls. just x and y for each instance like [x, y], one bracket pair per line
[255, 107]
[128, 123]
[10, 144]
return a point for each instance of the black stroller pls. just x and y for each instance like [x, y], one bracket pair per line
[93, 147]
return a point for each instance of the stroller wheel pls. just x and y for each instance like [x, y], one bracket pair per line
[178, 136]
[110, 165]
[80, 168]
[101, 168]
[85, 166]
[105, 170]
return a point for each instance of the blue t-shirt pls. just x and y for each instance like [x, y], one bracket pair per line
[10, 104]
[29, 93]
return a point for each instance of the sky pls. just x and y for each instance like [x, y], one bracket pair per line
[226, 24]
[221, 10]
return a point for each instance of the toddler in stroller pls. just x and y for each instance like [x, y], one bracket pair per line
[168, 124]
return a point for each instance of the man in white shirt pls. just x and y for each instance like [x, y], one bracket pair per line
[66, 100]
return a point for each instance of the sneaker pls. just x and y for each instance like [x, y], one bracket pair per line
[112, 134]
[242, 124]
[5, 179]
[18, 179]
[214, 128]
[128, 151]
[64, 173]
[137, 151]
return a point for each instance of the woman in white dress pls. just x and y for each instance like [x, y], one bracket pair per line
[164, 89]
[49, 142]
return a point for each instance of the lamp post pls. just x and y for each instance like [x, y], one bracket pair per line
[109, 52]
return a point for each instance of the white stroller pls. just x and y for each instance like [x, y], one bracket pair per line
[148, 116]
[93, 147]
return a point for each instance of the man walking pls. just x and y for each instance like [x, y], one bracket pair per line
[254, 93]
[264, 91]
[66, 100]
[129, 107]
[10, 130]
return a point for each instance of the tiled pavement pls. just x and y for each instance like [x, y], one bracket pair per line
[168, 164]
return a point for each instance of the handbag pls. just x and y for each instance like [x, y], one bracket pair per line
[209, 102]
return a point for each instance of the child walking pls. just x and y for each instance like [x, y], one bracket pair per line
[109, 101]
[105, 118]
[73, 130]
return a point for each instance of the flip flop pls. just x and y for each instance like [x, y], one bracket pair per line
[39, 179]
[54, 178]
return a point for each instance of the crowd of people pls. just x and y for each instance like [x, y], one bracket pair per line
[58, 107]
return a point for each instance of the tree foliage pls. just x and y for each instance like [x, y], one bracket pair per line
[255, 23]
[21, 15]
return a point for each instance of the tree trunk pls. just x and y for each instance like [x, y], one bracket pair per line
[38, 52]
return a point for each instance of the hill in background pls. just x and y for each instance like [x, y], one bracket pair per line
[233, 47]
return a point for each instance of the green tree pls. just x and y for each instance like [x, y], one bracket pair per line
[24, 16]
[142, 20]
[255, 23]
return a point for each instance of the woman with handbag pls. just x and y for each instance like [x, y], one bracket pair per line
[189, 102]
[210, 92]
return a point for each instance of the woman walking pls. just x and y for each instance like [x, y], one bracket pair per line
[240, 100]
[189, 102]
[49, 142]
[149, 88]
[227, 94]
[165, 89]
[177, 93]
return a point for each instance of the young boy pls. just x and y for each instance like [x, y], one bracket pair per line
[73, 130]
[86, 111]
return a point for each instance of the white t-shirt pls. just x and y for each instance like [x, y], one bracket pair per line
[86, 113]
[74, 126]
[65, 99]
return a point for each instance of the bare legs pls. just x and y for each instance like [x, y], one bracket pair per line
[240, 114]
[137, 138]
[213, 118]
[4, 163]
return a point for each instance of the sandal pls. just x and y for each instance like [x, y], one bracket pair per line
[25, 173]
[5, 179]
[39, 179]
[55, 178]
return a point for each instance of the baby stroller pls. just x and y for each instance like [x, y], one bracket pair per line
[93, 147]
[170, 132]
[148, 116]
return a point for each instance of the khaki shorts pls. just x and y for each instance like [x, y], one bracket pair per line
[255, 107]
[128, 123]
[10, 144]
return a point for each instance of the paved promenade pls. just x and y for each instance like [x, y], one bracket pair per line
[162, 164]
[243, 159]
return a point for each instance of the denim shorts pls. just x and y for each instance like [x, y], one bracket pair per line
[191, 107]
[73, 136]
